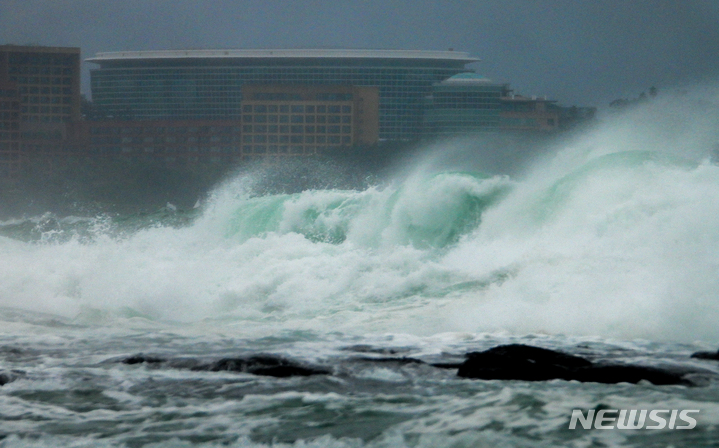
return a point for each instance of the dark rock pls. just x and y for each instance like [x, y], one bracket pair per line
[706, 355]
[526, 363]
[10, 376]
[505, 362]
[447, 365]
[265, 365]
[10, 351]
[393, 360]
[520, 362]
[364, 348]
[140, 359]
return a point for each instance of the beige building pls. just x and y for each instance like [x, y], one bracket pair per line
[276, 121]
[307, 119]
[520, 113]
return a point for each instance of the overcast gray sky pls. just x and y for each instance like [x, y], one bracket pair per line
[584, 52]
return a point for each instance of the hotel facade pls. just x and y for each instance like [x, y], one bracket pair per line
[276, 121]
[208, 84]
[232, 106]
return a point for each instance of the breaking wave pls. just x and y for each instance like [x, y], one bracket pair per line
[616, 233]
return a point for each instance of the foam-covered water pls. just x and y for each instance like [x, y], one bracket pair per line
[612, 237]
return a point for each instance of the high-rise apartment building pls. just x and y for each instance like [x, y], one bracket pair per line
[9, 132]
[40, 94]
[47, 80]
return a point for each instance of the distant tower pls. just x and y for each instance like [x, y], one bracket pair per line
[39, 96]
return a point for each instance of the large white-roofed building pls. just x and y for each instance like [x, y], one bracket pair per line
[207, 84]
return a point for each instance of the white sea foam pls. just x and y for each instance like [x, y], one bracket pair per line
[616, 234]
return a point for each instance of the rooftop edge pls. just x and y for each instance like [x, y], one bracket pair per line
[283, 53]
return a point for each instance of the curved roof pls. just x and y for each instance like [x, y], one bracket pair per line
[283, 53]
[466, 77]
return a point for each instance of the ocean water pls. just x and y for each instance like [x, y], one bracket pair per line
[607, 246]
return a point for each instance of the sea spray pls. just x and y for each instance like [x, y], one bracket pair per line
[257, 257]
[613, 234]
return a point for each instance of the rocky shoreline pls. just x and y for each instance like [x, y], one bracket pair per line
[515, 362]
[504, 362]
